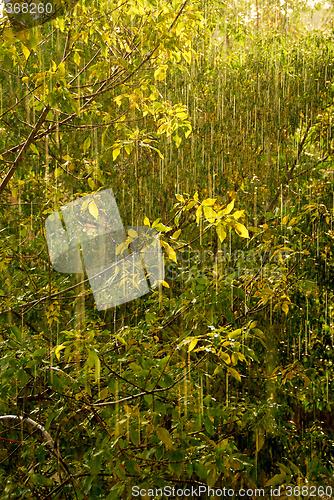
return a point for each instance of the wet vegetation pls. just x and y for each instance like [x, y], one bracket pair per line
[212, 123]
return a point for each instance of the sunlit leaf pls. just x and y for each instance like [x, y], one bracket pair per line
[192, 344]
[228, 209]
[115, 153]
[209, 202]
[221, 232]
[241, 230]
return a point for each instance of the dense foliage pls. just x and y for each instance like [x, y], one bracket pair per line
[212, 123]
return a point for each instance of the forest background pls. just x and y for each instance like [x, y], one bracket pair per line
[212, 122]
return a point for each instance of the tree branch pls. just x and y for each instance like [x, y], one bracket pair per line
[24, 148]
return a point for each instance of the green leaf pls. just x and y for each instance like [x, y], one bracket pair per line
[209, 426]
[285, 469]
[260, 440]
[200, 470]
[164, 436]
[276, 480]
[94, 360]
[86, 144]
[116, 491]
[18, 333]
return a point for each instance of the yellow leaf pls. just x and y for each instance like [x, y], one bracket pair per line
[34, 149]
[58, 349]
[115, 153]
[93, 210]
[196, 196]
[225, 357]
[160, 73]
[85, 205]
[228, 209]
[198, 213]
[77, 58]
[209, 213]
[285, 219]
[176, 234]
[192, 345]
[234, 358]
[170, 252]
[187, 56]
[132, 233]
[234, 373]
[241, 230]
[177, 139]
[26, 51]
[209, 202]
[180, 198]
[221, 233]
[238, 214]
[165, 284]
[147, 222]
[285, 307]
